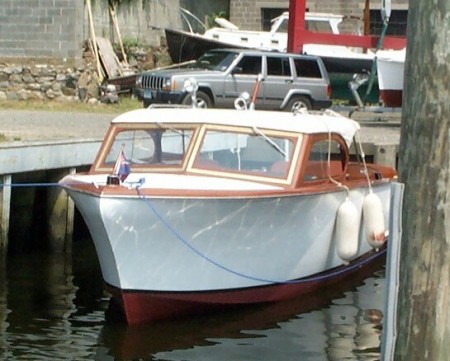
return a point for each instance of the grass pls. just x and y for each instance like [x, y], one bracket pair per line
[125, 104]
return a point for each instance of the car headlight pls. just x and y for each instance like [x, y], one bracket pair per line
[139, 81]
[167, 85]
[190, 85]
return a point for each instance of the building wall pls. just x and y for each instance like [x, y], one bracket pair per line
[41, 29]
[247, 13]
[205, 10]
[57, 29]
[141, 20]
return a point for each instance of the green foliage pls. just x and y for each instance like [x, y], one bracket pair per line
[210, 18]
[128, 44]
[116, 3]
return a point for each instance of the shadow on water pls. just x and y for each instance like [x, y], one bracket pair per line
[338, 322]
[53, 306]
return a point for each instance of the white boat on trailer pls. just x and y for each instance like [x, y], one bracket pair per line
[390, 72]
[192, 209]
[189, 45]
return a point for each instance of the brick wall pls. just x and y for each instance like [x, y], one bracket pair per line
[41, 28]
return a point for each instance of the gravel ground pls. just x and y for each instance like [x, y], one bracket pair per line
[30, 126]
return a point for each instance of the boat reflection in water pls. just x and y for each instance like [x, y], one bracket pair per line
[53, 307]
[342, 322]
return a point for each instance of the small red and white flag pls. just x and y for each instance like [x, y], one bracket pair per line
[122, 166]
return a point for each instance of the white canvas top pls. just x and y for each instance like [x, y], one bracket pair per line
[310, 123]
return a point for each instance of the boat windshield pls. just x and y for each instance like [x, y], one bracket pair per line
[150, 147]
[215, 60]
[319, 26]
[314, 25]
[251, 152]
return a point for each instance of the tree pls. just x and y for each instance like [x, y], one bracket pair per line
[423, 311]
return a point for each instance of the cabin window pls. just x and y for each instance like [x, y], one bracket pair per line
[255, 153]
[278, 66]
[326, 160]
[267, 17]
[319, 26]
[151, 146]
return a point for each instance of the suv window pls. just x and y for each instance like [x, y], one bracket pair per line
[250, 65]
[215, 60]
[307, 68]
[278, 66]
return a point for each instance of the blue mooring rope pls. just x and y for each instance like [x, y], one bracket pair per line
[23, 185]
[217, 264]
[205, 257]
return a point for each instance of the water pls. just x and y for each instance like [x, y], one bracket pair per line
[54, 307]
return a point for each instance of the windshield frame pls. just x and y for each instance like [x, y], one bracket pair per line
[215, 60]
[197, 165]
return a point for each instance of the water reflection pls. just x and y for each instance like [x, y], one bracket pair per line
[54, 307]
[43, 317]
[339, 323]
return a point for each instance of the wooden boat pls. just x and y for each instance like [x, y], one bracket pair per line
[188, 45]
[390, 69]
[195, 209]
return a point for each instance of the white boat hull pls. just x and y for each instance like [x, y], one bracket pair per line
[215, 244]
[390, 70]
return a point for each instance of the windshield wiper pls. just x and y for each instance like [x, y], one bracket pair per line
[270, 141]
[175, 130]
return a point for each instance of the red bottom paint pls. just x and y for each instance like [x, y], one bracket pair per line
[149, 306]
[392, 98]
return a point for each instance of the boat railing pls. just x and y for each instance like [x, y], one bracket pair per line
[168, 106]
[188, 17]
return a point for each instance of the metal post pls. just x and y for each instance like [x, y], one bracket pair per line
[5, 197]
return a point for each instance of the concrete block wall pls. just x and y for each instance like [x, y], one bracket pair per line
[51, 29]
[141, 20]
[247, 13]
[57, 29]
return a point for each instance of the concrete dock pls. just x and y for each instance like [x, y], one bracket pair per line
[31, 126]
[41, 147]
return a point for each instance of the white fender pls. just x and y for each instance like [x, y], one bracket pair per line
[374, 220]
[347, 230]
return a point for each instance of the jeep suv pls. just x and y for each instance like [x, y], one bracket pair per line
[287, 81]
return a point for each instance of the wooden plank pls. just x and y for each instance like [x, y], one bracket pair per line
[108, 58]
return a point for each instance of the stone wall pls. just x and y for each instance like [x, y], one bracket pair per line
[42, 44]
[45, 81]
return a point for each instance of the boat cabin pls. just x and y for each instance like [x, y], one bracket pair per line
[277, 148]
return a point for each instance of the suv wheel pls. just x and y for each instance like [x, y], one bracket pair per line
[203, 100]
[297, 103]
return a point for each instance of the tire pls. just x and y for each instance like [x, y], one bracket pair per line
[298, 102]
[203, 100]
